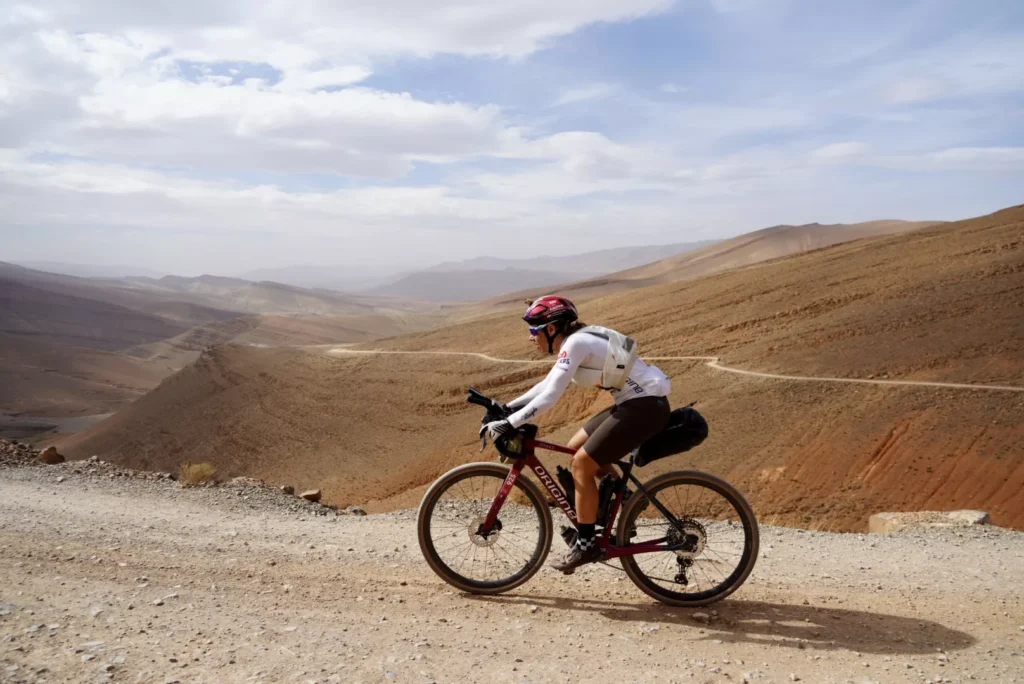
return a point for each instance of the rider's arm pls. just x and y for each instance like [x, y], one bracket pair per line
[553, 385]
[522, 401]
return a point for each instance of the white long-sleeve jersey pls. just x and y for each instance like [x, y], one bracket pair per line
[581, 360]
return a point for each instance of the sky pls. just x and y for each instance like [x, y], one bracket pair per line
[201, 136]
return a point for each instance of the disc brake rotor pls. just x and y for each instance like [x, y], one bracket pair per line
[479, 539]
[693, 538]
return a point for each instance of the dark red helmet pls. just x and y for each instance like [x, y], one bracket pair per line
[550, 309]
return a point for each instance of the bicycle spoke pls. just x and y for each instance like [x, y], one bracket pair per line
[708, 540]
[513, 544]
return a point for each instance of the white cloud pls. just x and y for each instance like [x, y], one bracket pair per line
[964, 67]
[195, 116]
[284, 33]
[961, 159]
[840, 151]
[673, 88]
[104, 80]
[597, 91]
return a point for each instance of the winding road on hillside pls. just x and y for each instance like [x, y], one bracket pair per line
[710, 361]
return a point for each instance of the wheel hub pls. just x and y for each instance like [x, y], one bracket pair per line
[692, 539]
[479, 539]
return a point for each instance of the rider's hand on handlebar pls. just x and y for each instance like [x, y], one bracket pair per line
[497, 428]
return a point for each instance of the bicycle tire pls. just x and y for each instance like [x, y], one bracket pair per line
[453, 577]
[733, 496]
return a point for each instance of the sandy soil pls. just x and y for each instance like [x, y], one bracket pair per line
[141, 581]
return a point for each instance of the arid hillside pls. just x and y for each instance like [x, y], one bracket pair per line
[278, 331]
[485, 277]
[268, 298]
[750, 248]
[941, 303]
[43, 378]
[73, 347]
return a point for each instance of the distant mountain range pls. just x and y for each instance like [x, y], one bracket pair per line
[89, 270]
[485, 277]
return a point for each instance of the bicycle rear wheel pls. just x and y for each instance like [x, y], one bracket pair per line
[451, 513]
[716, 550]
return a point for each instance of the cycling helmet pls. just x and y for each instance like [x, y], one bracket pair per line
[551, 309]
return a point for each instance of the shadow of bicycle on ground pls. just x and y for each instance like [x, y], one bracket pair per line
[775, 624]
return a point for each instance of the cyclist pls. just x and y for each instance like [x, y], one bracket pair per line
[641, 408]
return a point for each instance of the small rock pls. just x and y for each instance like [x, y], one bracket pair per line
[108, 668]
[355, 510]
[311, 495]
[49, 456]
[94, 459]
[158, 602]
[701, 617]
[794, 677]
[60, 479]
[534, 609]
[288, 489]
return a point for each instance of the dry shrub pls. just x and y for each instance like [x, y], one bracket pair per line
[195, 474]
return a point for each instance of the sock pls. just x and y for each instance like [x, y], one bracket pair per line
[585, 538]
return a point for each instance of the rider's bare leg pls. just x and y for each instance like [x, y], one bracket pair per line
[578, 440]
[584, 470]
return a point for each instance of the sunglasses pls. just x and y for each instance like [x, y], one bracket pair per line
[534, 331]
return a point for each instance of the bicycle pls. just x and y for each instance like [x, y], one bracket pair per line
[494, 515]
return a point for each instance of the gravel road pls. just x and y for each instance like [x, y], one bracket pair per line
[115, 579]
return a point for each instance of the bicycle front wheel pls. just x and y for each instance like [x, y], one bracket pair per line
[450, 516]
[712, 555]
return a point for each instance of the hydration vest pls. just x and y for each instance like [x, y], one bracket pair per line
[622, 355]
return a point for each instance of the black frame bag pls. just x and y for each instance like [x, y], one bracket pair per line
[686, 429]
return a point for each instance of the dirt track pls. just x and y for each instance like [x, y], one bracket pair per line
[712, 362]
[253, 593]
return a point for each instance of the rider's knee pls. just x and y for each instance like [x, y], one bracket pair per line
[583, 464]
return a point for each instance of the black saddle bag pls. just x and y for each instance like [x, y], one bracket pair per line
[686, 429]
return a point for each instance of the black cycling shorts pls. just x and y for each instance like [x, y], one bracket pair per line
[620, 428]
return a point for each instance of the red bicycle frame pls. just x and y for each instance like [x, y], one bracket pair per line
[604, 541]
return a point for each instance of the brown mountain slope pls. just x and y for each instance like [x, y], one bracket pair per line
[43, 378]
[939, 303]
[942, 303]
[276, 331]
[751, 248]
[166, 322]
[268, 298]
[178, 310]
[68, 319]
